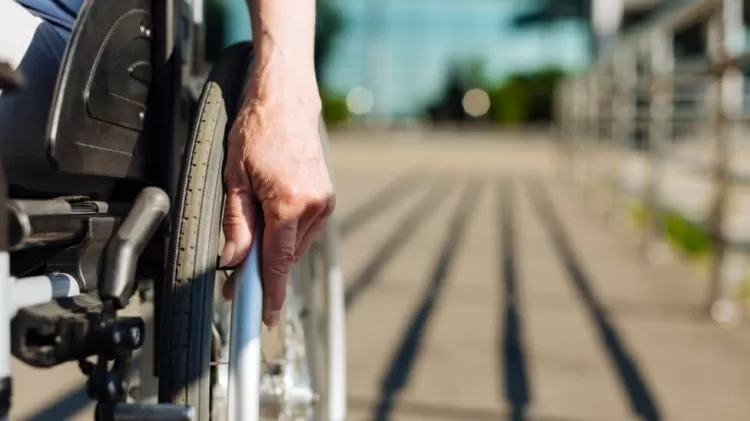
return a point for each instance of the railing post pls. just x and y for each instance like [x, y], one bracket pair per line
[624, 107]
[566, 120]
[579, 104]
[661, 65]
[726, 37]
[607, 130]
[592, 130]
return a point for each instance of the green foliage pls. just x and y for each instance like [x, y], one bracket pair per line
[681, 233]
[508, 103]
[691, 239]
[520, 99]
[328, 26]
[525, 97]
[335, 110]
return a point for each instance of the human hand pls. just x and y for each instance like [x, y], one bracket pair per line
[275, 160]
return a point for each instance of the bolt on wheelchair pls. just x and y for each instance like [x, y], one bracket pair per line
[125, 113]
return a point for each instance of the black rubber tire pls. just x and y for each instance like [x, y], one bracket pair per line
[187, 304]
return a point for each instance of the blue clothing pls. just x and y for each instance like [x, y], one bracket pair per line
[59, 13]
[40, 35]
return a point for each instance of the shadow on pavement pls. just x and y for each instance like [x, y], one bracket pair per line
[400, 235]
[402, 364]
[510, 342]
[69, 405]
[641, 399]
[387, 196]
[64, 408]
[448, 412]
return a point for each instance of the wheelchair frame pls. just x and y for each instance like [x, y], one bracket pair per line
[88, 135]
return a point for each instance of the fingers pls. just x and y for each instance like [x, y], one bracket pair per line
[239, 217]
[279, 241]
[314, 227]
[306, 221]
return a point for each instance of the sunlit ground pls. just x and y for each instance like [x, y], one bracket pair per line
[481, 286]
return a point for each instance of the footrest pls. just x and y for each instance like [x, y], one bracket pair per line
[49, 334]
[68, 329]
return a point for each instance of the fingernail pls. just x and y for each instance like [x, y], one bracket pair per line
[273, 318]
[227, 254]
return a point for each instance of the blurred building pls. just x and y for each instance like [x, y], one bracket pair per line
[403, 51]
[604, 20]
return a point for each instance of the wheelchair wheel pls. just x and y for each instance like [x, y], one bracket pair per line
[194, 335]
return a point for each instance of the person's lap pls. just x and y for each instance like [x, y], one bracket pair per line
[35, 47]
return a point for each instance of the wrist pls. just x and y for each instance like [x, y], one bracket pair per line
[278, 76]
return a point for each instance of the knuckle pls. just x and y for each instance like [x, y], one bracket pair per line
[324, 206]
[330, 205]
[285, 260]
[275, 298]
[317, 206]
[280, 213]
[279, 270]
[230, 222]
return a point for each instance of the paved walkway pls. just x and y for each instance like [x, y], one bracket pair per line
[480, 289]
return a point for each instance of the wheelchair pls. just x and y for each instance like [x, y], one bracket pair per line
[126, 112]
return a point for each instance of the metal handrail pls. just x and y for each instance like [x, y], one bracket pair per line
[640, 90]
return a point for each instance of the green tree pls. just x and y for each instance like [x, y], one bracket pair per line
[329, 25]
[525, 97]
[462, 75]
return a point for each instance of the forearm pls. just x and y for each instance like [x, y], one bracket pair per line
[284, 39]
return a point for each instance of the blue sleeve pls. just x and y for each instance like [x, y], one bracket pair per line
[60, 13]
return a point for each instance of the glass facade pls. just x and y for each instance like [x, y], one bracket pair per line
[402, 50]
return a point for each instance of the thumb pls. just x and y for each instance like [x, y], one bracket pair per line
[239, 219]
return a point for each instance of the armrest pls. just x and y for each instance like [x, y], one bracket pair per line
[98, 111]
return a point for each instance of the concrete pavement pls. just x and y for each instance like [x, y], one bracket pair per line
[480, 289]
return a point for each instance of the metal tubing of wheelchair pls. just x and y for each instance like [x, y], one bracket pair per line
[244, 340]
[27, 292]
[334, 306]
[6, 304]
[334, 293]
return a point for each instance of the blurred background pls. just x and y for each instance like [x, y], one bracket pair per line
[544, 208]
[594, 264]
[487, 62]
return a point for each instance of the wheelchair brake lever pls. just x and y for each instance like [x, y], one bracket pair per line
[117, 276]
[116, 285]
